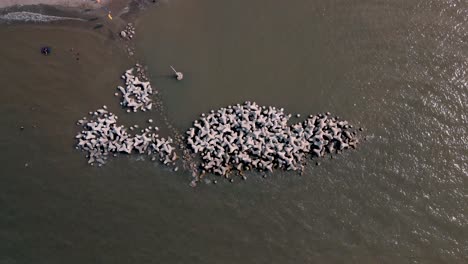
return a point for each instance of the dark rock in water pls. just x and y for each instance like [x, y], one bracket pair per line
[46, 50]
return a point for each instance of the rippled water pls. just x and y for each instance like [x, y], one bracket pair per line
[397, 68]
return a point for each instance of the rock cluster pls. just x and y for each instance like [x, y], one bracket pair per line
[137, 93]
[128, 32]
[249, 136]
[102, 136]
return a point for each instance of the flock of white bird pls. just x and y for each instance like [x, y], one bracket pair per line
[248, 136]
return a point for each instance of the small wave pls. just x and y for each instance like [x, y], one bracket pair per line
[33, 17]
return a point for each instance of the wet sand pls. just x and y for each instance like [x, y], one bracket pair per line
[112, 13]
[52, 89]
[46, 185]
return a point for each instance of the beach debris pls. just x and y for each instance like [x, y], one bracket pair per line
[130, 51]
[136, 94]
[248, 136]
[76, 54]
[101, 136]
[128, 32]
[178, 75]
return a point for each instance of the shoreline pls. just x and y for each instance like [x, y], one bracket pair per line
[108, 18]
[91, 4]
[88, 10]
[117, 29]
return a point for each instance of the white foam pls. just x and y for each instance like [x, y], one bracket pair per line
[33, 17]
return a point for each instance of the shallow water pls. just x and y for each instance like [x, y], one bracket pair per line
[396, 68]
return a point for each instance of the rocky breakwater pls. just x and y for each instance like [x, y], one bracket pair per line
[136, 95]
[248, 136]
[128, 32]
[102, 136]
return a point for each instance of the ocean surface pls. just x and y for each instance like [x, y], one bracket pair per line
[396, 68]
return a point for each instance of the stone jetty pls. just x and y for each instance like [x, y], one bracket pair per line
[101, 136]
[136, 95]
[248, 136]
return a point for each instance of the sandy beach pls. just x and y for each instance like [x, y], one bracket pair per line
[66, 3]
